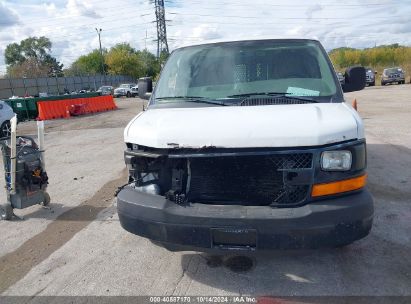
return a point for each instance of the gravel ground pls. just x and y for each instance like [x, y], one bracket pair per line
[78, 247]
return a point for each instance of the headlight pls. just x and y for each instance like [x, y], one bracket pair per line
[336, 160]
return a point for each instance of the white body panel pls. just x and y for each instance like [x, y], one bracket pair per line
[6, 112]
[245, 127]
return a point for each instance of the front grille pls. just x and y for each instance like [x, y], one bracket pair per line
[248, 180]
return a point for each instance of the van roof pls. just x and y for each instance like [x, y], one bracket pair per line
[218, 41]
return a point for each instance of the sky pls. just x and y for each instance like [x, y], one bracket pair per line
[70, 24]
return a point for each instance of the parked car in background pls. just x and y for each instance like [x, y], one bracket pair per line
[370, 77]
[134, 91]
[6, 113]
[341, 78]
[124, 90]
[392, 75]
[105, 90]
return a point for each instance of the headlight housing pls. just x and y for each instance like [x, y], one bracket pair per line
[340, 160]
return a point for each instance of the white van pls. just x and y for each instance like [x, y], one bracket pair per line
[248, 145]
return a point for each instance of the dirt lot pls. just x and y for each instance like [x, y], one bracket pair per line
[77, 247]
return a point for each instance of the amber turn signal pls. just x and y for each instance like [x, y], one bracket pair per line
[340, 186]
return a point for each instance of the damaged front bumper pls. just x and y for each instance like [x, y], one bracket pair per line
[330, 222]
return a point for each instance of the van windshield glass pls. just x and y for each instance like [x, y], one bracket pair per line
[233, 69]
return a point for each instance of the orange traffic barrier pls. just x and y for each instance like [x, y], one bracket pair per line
[61, 108]
[354, 104]
[42, 112]
[54, 110]
[67, 112]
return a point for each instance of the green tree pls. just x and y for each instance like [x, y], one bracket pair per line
[150, 64]
[122, 59]
[30, 68]
[32, 52]
[55, 68]
[89, 64]
[163, 57]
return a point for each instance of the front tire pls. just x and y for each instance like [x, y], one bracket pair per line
[5, 129]
[128, 94]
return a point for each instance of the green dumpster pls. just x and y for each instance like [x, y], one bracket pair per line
[20, 107]
[31, 105]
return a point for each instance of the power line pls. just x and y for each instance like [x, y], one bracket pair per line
[281, 18]
[182, 14]
[289, 5]
[37, 21]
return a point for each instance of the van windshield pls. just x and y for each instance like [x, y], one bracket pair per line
[228, 71]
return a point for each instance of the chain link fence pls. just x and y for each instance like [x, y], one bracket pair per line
[57, 85]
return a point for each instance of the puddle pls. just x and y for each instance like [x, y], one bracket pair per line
[239, 263]
[236, 264]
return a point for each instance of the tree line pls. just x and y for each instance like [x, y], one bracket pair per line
[32, 58]
[379, 57]
[121, 59]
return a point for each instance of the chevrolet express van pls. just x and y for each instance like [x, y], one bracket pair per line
[247, 145]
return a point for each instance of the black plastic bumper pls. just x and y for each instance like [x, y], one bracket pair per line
[325, 223]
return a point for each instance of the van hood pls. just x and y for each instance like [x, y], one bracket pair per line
[245, 127]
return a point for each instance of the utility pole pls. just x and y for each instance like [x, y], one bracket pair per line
[162, 44]
[101, 53]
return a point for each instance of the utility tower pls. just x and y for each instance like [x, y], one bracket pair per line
[162, 44]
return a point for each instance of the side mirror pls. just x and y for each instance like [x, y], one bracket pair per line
[354, 79]
[145, 87]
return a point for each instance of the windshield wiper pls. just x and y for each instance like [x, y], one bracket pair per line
[275, 94]
[198, 99]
